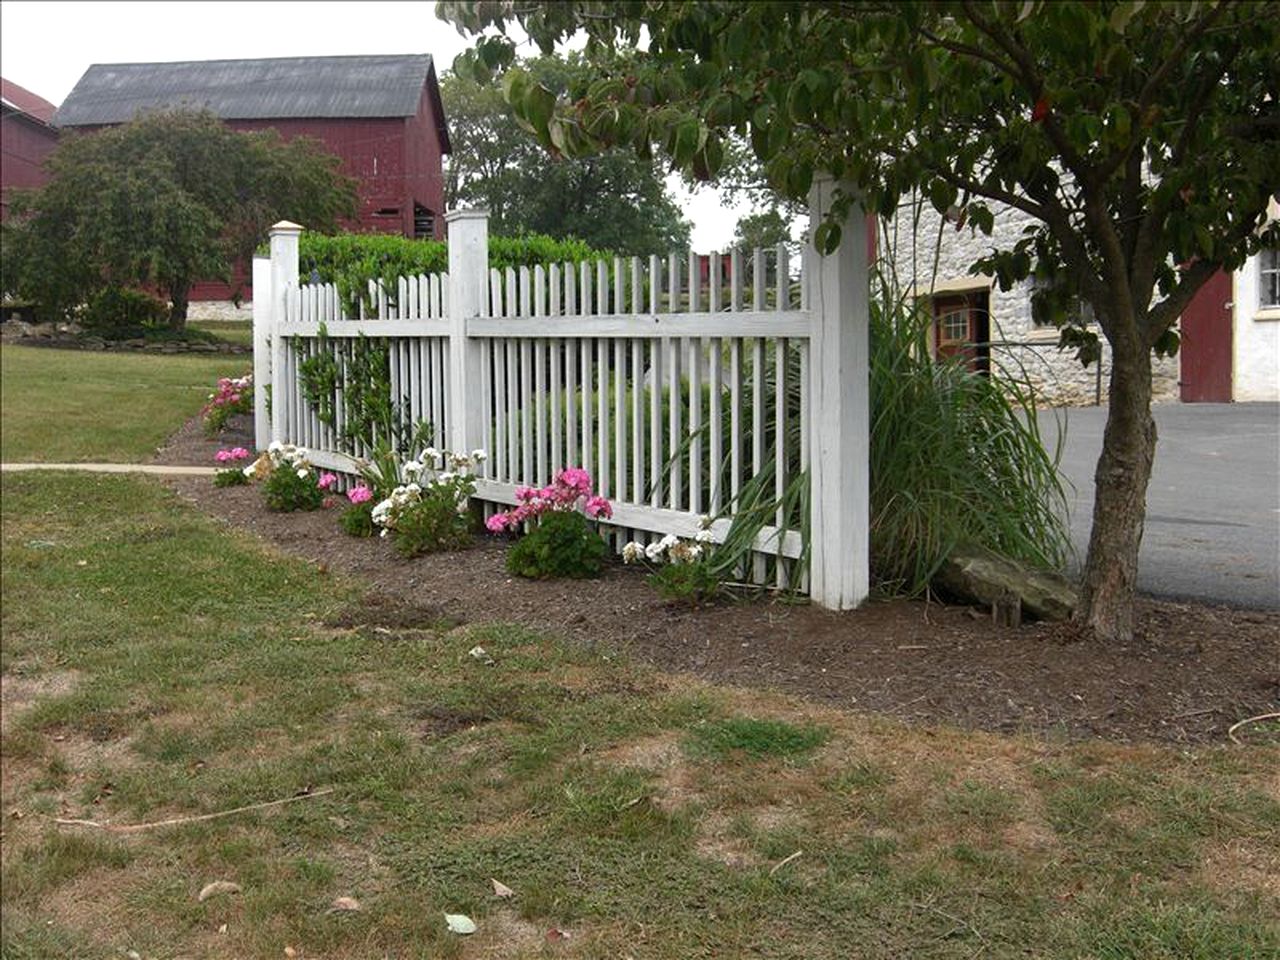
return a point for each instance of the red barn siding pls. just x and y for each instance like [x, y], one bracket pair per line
[24, 144]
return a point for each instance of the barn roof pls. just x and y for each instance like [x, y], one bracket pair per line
[22, 100]
[289, 87]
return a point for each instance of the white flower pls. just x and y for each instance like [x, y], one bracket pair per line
[669, 541]
[302, 473]
[704, 522]
[412, 468]
[446, 477]
[703, 536]
[431, 453]
[275, 447]
[632, 552]
[654, 550]
[249, 470]
[479, 456]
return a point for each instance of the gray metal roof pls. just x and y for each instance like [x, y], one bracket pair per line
[292, 87]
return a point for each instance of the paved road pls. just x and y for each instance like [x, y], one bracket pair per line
[1213, 507]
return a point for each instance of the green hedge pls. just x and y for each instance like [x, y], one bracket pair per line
[351, 260]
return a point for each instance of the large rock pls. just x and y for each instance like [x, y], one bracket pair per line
[974, 575]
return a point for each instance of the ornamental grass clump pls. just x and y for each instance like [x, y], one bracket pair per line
[430, 510]
[564, 541]
[234, 395]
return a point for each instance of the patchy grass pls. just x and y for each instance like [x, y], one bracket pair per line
[230, 331]
[156, 665]
[122, 407]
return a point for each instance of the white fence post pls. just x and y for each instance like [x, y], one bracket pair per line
[262, 300]
[839, 523]
[284, 271]
[468, 233]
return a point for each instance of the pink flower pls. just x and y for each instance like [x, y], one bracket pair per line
[598, 507]
[525, 494]
[239, 453]
[360, 494]
[222, 456]
[497, 523]
[326, 481]
[577, 479]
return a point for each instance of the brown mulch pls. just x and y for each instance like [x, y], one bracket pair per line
[1191, 671]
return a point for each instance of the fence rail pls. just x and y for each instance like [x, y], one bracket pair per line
[686, 393]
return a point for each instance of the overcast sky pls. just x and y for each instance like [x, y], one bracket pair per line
[46, 47]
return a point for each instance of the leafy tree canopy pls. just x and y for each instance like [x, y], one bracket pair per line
[169, 199]
[613, 200]
[766, 228]
[1141, 137]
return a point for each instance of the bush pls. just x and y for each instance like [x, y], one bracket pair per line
[286, 491]
[230, 477]
[120, 313]
[694, 583]
[563, 544]
[430, 511]
[351, 260]
[234, 395]
[357, 520]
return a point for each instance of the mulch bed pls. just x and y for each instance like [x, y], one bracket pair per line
[1191, 671]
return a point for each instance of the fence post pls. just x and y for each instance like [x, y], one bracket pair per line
[262, 300]
[284, 271]
[468, 234]
[839, 295]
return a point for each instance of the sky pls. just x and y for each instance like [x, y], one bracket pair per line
[46, 47]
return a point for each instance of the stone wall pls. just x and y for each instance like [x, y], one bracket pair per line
[918, 239]
[70, 337]
[220, 310]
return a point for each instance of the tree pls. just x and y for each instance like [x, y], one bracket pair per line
[167, 200]
[1140, 137]
[613, 200]
[765, 228]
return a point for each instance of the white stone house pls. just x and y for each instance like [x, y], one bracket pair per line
[1230, 332]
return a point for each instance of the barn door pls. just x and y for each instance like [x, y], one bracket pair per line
[1206, 343]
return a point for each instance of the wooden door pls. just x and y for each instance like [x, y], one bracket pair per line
[961, 328]
[1205, 366]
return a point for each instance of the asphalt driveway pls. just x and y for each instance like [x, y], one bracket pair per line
[1213, 507]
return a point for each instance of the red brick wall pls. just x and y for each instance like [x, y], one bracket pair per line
[24, 144]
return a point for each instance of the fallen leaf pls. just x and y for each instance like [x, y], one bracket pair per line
[82, 563]
[555, 934]
[223, 928]
[460, 923]
[501, 889]
[290, 952]
[345, 905]
[217, 888]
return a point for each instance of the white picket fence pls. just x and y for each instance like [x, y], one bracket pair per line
[672, 391]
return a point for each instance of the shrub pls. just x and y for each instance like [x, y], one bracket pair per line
[351, 260]
[293, 483]
[563, 544]
[357, 520]
[694, 583]
[233, 396]
[232, 476]
[430, 511]
[118, 312]
[683, 570]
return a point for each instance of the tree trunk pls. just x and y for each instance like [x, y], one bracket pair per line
[1108, 591]
[178, 295]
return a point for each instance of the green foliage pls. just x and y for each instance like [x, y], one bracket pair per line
[955, 458]
[615, 200]
[757, 738]
[432, 525]
[352, 260]
[694, 583]
[230, 477]
[286, 492]
[564, 544]
[765, 229]
[169, 199]
[119, 313]
[357, 520]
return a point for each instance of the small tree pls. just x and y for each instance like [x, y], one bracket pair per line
[1141, 137]
[765, 228]
[170, 199]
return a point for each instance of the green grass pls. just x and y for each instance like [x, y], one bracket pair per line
[157, 665]
[70, 406]
[231, 331]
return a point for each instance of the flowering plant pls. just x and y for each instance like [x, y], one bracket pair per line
[292, 483]
[429, 510]
[231, 476]
[563, 542]
[233, 395]
[681, 568]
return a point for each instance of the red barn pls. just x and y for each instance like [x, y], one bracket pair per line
[381, 115]
[26, 138]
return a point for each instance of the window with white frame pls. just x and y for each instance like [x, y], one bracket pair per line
[1269, 279]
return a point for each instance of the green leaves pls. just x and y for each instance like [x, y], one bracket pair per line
[827, 237]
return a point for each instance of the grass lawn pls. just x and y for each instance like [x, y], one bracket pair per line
[156, 665]
[68, 405]
[232, 331]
